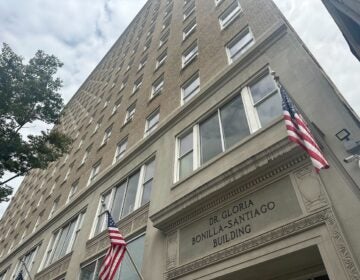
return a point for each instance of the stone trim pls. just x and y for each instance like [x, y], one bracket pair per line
[199, 201]
[325, 216]
[55, 270]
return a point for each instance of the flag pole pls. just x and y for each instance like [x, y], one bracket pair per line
[27, 271]
[126, 250]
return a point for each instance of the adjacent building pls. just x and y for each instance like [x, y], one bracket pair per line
[346, 14]
[179, 132]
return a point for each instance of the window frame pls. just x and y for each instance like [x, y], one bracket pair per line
[157, 86]
[189, 9]
[112, 191]
[119, 155]
[95, 170]
[185, 58]
[151, 116]
[186, 85]
[236, 39]
[189, 29]
[229, 14]
[161, 59]
[130, 113]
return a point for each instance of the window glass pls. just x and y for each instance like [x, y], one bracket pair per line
[186, 144]
[130, 194]
[240, 44]
[148, 178]
[210, 138]
[186, 165]
[118, 201]
[262, 88]
[233, 121]
[191, 88]
[136, 248]
[229, 14]
[87, 272]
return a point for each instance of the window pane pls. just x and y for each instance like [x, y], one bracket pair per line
[233, 121]
[118, 202]
[136, 248]
[87, 272]
[186, 165]
[146, 192]
[241, 45]
[149, 170]
[130, 194]
[98, 266]
[186, 144]
[191, 88]
[262, 88]
[210, 138]
[269, 109]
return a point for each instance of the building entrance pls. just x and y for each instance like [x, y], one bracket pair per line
[305, 264]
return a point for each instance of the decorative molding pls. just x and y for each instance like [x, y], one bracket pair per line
[172, 250]
[250, 244]
[341, 247]
[55, 270]
[311, 189]
[202, 199]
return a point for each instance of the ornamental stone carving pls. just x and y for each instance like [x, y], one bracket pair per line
[172, 250]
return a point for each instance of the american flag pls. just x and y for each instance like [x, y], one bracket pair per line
[299, 132]
[115, 253]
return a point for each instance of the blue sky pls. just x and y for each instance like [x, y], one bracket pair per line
[80, 32]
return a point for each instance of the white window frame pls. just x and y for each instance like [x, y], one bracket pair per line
[142, 63]
[95, 170]
[112, 191]
[130, 112]
[185, 85]
[137, 84]
[189, 29]
[51, 248]
[230, 14]
[148, 129]
[188, 11]
[73, 190]
[189, 54]
[86, 155]
[116, 106]
[67, 174]
[218, 2]
[236, 39]
[157, 87]
[161, 59]
[53, 208]
[29, 264]
[37, 223]
[164, 38]
[120, 149]
[252, 118]
[107, 135]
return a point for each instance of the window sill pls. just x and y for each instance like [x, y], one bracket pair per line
[102, 146]
[188, 63]
[125, 124]
[154, 96]
[81, 165]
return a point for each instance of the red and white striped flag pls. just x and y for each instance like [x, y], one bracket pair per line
[299, 132]
[116, 252]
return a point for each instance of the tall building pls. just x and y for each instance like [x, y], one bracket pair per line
[179, 132]
[346, 14]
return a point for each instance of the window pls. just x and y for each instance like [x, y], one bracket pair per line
[116, 106]
[40, 200]
[189, 54]
[185, 155]
[130, 112]
[164, 38]
[73, 190]
[62, 241]
[254, 107]
[217, 2]
[53, 208]
[126, 197]
[190, 88]
[166, 22]
[189, 29]
[229, 14]
[120, 149]
[107, 135]
[239, 45]
[37, 223]
[86, 155]
[79, 146]
[137, 84]
[94, 172]
[266, 99]
[126, 271]
[161, 59]
[151, 122]
[28, 259]
[142, 63]
[189, 10]
[147, 44]
[24, 234]
[123, 84]
[157, 87]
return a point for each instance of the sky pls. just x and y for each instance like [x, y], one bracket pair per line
[80, 32]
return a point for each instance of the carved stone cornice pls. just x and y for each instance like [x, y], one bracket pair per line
[56, 269]
[238, 181]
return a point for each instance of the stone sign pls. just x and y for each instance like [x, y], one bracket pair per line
[251, 215]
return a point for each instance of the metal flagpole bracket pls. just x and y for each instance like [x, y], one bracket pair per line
[275, 77]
